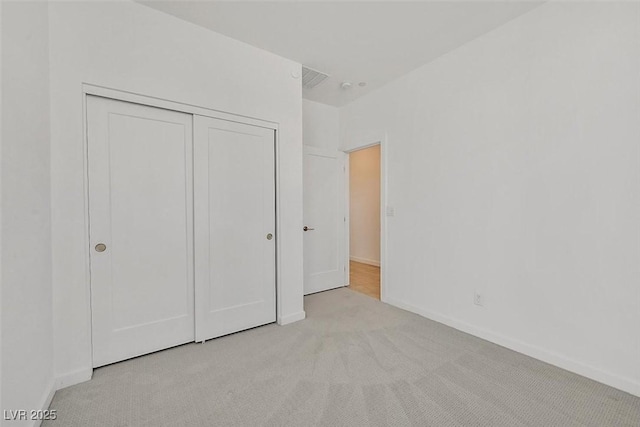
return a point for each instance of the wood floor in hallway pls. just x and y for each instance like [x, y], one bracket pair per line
[364, 278]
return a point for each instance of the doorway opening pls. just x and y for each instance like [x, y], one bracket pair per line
[364, 220]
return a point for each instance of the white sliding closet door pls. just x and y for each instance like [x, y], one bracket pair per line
[234, 195]
[141, 228]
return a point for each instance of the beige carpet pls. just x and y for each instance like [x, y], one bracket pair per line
[354, 362]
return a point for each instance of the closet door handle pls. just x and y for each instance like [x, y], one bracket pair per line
[305, 228]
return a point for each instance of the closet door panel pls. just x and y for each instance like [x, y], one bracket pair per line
[141, 228]
[234, 176]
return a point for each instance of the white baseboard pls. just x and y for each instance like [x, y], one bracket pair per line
[73, 378]
[547, 356]
[365, 261]
[290, 318]
[47, 397]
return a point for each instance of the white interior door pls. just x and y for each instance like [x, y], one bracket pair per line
[234, 194]
[141, 228]
[324, 219]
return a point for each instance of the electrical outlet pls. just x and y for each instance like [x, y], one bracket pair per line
[478, 298]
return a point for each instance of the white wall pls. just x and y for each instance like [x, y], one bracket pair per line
[27, 344]
[364, 205]
[130, 47]
[1, 192]
[514, 170]
[320, 125]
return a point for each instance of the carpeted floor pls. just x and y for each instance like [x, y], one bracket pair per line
[354, 362]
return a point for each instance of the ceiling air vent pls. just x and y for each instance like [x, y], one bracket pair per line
[312, 78]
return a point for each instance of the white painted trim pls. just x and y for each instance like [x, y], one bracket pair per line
[365, 261]
[343, 159]
[72, 378]
[47, 397]
[290, 318]
[383, 217]
[536, 352]
[359, 143]
[87, 241]
[347, 219]
[278, 225]
[89, 89]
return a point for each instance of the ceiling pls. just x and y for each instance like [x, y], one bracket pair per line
[352, 41]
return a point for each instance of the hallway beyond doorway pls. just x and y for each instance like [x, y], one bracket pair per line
[364, 278]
